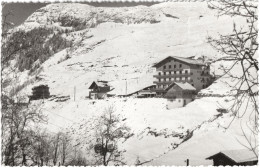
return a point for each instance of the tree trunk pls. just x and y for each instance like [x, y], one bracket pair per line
[24, 159]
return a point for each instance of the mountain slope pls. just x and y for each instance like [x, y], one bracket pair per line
[120, 45]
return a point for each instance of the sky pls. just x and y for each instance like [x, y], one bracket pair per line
[21, 11]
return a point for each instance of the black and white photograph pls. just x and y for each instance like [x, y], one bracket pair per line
[129, 83]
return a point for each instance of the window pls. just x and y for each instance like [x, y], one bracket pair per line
[159, 73]
[180, 65]
[170, 73]
[186, 71]
[175, 79]
[164, 79]
[164, 73]
[170, 66]
[174, 72]
[159, 80]
[186, 78]
[192, 84]
[191, 73]
[174, 66]
[170, 79]
[180, 72]
[164, 67]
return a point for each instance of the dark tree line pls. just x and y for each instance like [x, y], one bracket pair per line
[29, 46]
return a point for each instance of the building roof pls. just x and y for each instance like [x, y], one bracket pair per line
[182, 85]
[131, 86]
[239, 156]
[188, 60]
[99, 84]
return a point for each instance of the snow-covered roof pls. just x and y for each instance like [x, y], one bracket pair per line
[189, 60]
[184, 86]
[99, 84]
[239, 156]
[130, 86]
[182, 59]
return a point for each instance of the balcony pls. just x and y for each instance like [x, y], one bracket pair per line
[169, 82]
[173, 75]
[163, 82]
[172, 69]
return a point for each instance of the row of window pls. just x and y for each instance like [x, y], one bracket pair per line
[176, 79]
[162, 86]
[165, 86]
[174, 66]
[173, 99]
[175, 72]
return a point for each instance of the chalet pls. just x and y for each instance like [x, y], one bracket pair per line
[99, 90]
[179, 94]
[243, 157]
[178, 69]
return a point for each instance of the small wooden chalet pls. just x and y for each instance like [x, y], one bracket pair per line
[179, 94]
[98, 90]
[243, 157]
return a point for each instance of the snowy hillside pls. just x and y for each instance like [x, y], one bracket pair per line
[117, 51]
[120, 45]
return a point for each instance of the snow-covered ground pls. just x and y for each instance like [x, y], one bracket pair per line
[154, 127]
[124, 53]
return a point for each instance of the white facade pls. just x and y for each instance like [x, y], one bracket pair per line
[176, 103]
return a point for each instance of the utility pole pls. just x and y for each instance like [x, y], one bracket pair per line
[126, 87]
[74, 92]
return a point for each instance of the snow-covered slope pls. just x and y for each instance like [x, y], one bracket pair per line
[117, 51]
[120, 45]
